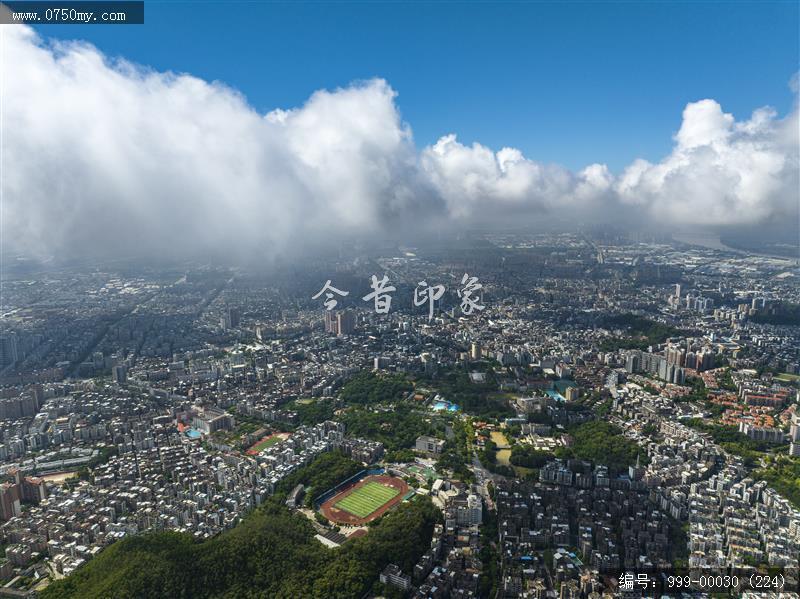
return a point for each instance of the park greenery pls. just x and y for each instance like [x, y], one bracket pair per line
[731, 440]
[603, 408]
[641, 332]
[714, 410]
[725, 381]
[271, 553]
[528, 457]
[650, 429]
[488, 454]
[312, 412]
[602, 443]
[783, 475]
[400, 455]
[368, 388]
[698, 390]
[478, 399]
[397, 427]
[456, 454]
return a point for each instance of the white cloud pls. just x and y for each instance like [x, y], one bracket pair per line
[721, 172]
[106, 156]
[471, 177]
[103, 154]
[704, 124]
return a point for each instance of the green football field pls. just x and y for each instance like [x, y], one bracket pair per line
[365, 500]
[263, 444]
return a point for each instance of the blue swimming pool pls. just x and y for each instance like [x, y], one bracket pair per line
[555, 395]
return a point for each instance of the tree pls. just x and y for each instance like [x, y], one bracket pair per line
[603, 443]
[271, 553]
[368, 387]
[528, 457]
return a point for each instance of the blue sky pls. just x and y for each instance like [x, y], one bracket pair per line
[569, 83]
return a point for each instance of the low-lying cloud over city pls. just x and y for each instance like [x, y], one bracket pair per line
[101, 155]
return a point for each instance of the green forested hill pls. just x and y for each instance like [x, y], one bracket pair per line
[271, 554]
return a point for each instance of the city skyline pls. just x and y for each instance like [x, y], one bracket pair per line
[631, 404]
[399, 300]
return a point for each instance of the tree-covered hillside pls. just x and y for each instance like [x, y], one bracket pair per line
[603, 443]
[641, 332]
[368, 387]
[272, 553]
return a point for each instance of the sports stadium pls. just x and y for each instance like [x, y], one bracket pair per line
[362, 498]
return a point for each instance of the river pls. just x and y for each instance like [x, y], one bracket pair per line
[503, 454]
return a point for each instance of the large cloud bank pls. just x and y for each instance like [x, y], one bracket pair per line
[104, 156]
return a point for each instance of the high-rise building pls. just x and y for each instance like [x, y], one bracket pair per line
[345, 323]
[794, 430]
[8, 349]
[120, 373]
[9, 501]
[677, 289]
[469, 512]
[633, 363]
[331, 324]
[699, 302]
[33, 489]
[230, 319]
[636, 472]
[664, 372]
[676, 355]
[475, 351]
[704, 360]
